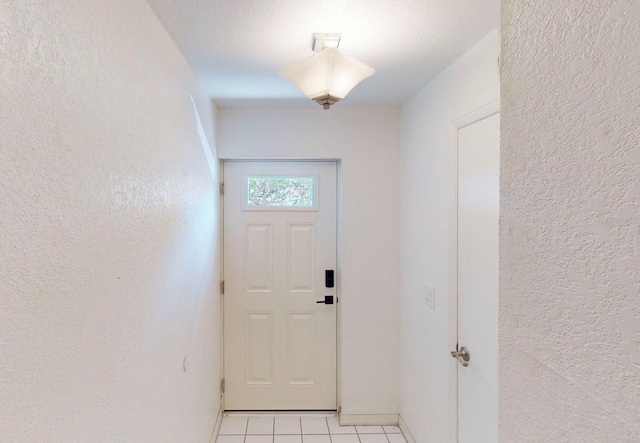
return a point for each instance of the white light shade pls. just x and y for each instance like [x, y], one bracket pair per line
[329, 73]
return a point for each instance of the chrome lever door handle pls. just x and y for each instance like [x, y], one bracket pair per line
[462, 355]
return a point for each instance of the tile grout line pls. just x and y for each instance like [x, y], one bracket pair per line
[328, 429]
[329, 433]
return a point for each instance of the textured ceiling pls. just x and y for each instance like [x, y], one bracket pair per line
[237, 47]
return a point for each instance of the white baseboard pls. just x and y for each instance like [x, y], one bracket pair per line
[216, 427]
[405, 430]
[368, 419]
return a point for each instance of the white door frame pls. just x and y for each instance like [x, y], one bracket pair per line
[338, 280]
[485, 111]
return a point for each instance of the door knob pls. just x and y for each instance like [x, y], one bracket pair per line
[462, 355]
[328, 300]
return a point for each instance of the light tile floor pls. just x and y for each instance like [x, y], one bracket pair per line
[301, 429]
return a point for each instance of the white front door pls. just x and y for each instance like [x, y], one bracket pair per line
[279, 243]
[478, 218]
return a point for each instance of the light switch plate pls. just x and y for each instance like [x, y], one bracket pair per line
[429, 296]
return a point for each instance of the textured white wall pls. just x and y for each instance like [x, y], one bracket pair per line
[570, 228]
[108, 233]
[469, 83]
[367, 142]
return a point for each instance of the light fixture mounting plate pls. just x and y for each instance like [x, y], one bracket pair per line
[325, 40]
[326, 100]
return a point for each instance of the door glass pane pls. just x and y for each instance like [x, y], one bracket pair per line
[280, 191]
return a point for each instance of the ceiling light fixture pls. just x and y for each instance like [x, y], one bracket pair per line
[327, 76]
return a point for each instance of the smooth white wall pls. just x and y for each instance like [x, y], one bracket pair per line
[109, 229]
[570, 234]
[426, 145]
[367, 142]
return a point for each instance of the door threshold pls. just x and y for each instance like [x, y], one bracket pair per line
[317, 413]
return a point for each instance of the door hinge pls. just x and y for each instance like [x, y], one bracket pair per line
[222, 385]
[222, 287]
[222, 188]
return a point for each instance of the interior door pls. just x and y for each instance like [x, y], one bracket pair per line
[280, 296]
[478, 222]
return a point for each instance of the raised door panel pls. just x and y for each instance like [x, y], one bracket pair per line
[259, 348]
[301, 257]
[301, 350]
[258, 257]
